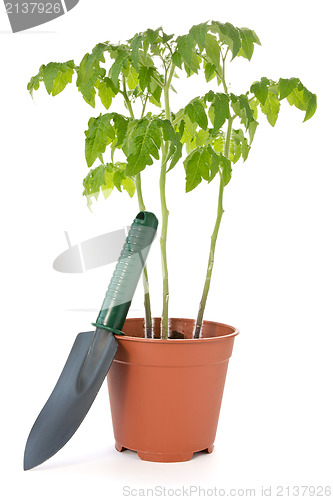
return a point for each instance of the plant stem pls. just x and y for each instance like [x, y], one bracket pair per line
[203, 301]
[145, 282]
[198, 324]
[163, 239]
[127, 101]
[165, 213]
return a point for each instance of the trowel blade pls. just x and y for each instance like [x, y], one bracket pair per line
[81, 378]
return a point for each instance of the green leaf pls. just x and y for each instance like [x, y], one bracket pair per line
[287, 85]
[197, 113]
[311, 107]
[213, 50]
[129, 186]
[135, 45]
[177, 59]
[218, 144]
[271, 107]
[209, 71]
[120, 180]
[249, 38]
[117, 66]
[226, 169]
[105, 92]
[99, 134]
[175, 144]
[97, 180]
[252, 129]
[304, 100]
[104, 178]
[120, 125]
[145, 77]
[152, 35]
[156, 93]
[199, 33]
[132, 78]
[89, 72]
[219, 110]
[143, 143]
[55, 76]
[241, 106]
[202, 163]
[230, 35]
[260, 90]
[34, 83]
[185, 46]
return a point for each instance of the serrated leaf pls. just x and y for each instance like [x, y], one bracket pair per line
[249, 38]
[202, 163]
[194, 66]
[287, 85]
[271, 107]
[119, 63]
[311, 107]
[56, 76]
[196, 167]
[226, 169]
[105, 93]
[209, 71]
[143, 144]
[213, 50]
[252, 129]
[177, 59]
[175, 145]
[145, 77]
[197, 113]
[218, 144]
[185, 46]
[135, 45]
[132, 78]
[156, 94]
[129, 186]
[97, 180]
[152, 35]
[89, 72]
[260, 90]
[198, 32]
[33, 84]
[304, 100]
[241, 106]
[120, 125]
[99, 134]
[230, 35]
[220, 108]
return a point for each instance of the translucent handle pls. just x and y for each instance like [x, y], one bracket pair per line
[127, 273]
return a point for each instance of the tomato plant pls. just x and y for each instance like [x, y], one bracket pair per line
[215, 129]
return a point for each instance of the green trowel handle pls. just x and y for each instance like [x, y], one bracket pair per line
[127, 273]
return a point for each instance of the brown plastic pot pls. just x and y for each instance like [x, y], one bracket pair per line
[165, 395]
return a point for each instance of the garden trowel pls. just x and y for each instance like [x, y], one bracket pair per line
[92, 353]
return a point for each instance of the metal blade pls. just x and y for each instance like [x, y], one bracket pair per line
[81, 378]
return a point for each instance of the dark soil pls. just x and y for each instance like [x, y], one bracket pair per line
[176, 335]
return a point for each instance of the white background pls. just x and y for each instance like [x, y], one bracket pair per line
[273, 273]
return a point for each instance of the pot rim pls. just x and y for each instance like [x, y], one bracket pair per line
[128, 338]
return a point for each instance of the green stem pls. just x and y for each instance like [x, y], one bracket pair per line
[126, 98]
[199, 320]
[163, 239]
[145, 282]
[165, 213]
